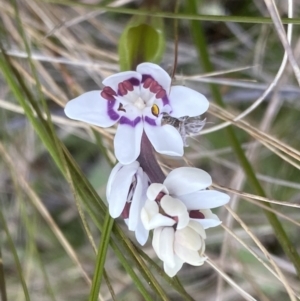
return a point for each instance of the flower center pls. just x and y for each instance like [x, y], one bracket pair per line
[127, 88]
[139, 103]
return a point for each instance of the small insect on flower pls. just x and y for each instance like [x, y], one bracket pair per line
[186, 126]
[138, 100]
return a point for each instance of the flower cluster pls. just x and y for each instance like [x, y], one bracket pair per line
[179, 210]
[152, 114]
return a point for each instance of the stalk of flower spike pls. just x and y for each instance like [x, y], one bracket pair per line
[148, 161]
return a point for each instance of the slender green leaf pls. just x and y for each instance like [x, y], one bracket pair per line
[171, 15]
[107, 280]
[101, 256]
[3, 293]
[15, 255]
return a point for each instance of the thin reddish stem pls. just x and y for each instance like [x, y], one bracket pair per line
[148, 161]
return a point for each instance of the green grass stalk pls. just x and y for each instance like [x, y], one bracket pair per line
[101, 256]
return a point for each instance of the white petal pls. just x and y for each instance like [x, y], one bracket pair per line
[92, 108]
[113, 80]
[120, 188]
[183, 220]
[165, 139]
[202, 249]
[187, 102]
[166, 246]
[189, 238]
[149, 210]
[156, 241]
[210, 220]
[197, 228]
[208, 223]
[209, 214]
[157, 73]
[111, 178]
[172, 271]
[137, 202]
[127, 141]
[151, 218]
[174, 207]
[184, 180]
[141, 234]
[146, 183]
[204, 199]
[189, 256]
[158, 220]
[154, 189]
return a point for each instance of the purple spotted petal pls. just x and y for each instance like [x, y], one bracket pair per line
[113, 81]
[92, 108]
[155, 72]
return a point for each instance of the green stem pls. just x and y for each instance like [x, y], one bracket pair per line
[109, 286]
[2, 280]
[200, 42]
[15, 255]
[174, 282]
[171, 15]
[101, 256]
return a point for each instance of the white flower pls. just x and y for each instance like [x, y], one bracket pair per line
[166, 211]
[179, 210]
[126, 195]
[182, 197]
[138, 99]
[175, 247]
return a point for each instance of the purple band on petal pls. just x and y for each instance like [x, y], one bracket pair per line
[145, 76]
[196, 214]
[150, 121]
[126, 210]
[124, 87]
[113, 115]
[134, 81]
[165, 100]
[133, 123]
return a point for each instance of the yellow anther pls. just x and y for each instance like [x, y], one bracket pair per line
[155, 110]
